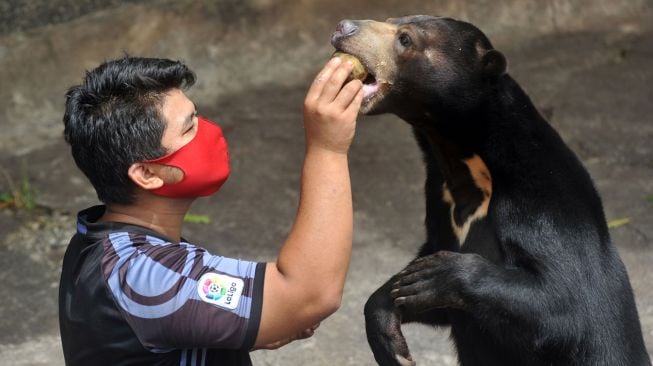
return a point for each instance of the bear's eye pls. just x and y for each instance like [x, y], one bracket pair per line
[404, 40]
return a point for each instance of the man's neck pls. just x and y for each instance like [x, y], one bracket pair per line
[162, 215]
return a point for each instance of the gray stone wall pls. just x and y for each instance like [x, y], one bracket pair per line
[17, 15]
[233, 45]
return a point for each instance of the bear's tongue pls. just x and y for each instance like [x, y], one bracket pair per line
[370, 86]
[370, 89]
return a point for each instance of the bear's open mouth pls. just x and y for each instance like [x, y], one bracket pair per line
[370, 86]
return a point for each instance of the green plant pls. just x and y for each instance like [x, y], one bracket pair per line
[6, 197]
[26, 194]
[618, 222]
[197, 219]
[20, 197]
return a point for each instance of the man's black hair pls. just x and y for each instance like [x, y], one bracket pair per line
[113, 119]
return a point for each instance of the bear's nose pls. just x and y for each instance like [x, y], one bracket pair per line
[344, 29]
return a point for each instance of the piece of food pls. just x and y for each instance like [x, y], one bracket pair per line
[359, 72]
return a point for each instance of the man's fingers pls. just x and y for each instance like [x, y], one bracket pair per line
[304, 334]
[276, 345]
[354, 106]
[334, 84]
[348, 94]
[320, 80]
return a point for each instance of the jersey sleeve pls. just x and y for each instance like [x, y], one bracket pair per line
[180, 296]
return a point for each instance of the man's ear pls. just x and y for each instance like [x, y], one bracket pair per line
[494, 64]
[145, 176]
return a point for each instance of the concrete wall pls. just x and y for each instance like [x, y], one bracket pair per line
[233, 45]
[16, 15]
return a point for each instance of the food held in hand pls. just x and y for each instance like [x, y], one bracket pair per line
[359, 72]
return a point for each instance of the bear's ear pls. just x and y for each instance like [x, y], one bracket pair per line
[494, 63]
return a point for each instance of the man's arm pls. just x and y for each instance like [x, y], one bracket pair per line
[305, 284]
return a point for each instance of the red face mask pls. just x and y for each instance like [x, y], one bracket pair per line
[204, 161]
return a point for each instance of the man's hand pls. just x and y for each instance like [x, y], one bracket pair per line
[330, 110]
[307, 333]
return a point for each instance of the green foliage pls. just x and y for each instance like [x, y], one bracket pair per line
[197, 219]
[618, 222]
[26, 194]
[21, 196]
[6, 197]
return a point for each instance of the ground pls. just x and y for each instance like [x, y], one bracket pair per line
[594, 83]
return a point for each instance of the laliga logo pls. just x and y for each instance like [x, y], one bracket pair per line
[213, 290]
[220, 290]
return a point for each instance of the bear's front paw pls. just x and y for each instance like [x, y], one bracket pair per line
[383, 326]
[439, 280]
[388, 343]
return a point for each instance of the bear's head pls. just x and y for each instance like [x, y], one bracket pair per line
[421, 65]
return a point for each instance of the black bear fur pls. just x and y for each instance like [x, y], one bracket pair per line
[518, 259]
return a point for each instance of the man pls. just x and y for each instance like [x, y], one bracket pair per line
[132, 290]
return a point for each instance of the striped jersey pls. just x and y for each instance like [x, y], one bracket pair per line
[130, 296]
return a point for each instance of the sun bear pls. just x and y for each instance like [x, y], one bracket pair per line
[518, 259]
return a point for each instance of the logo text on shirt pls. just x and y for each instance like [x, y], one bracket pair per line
[221, 290]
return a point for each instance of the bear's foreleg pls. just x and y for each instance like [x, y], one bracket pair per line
[493, 295]
[383, 326]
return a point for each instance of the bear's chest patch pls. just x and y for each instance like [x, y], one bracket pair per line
[469, 196]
